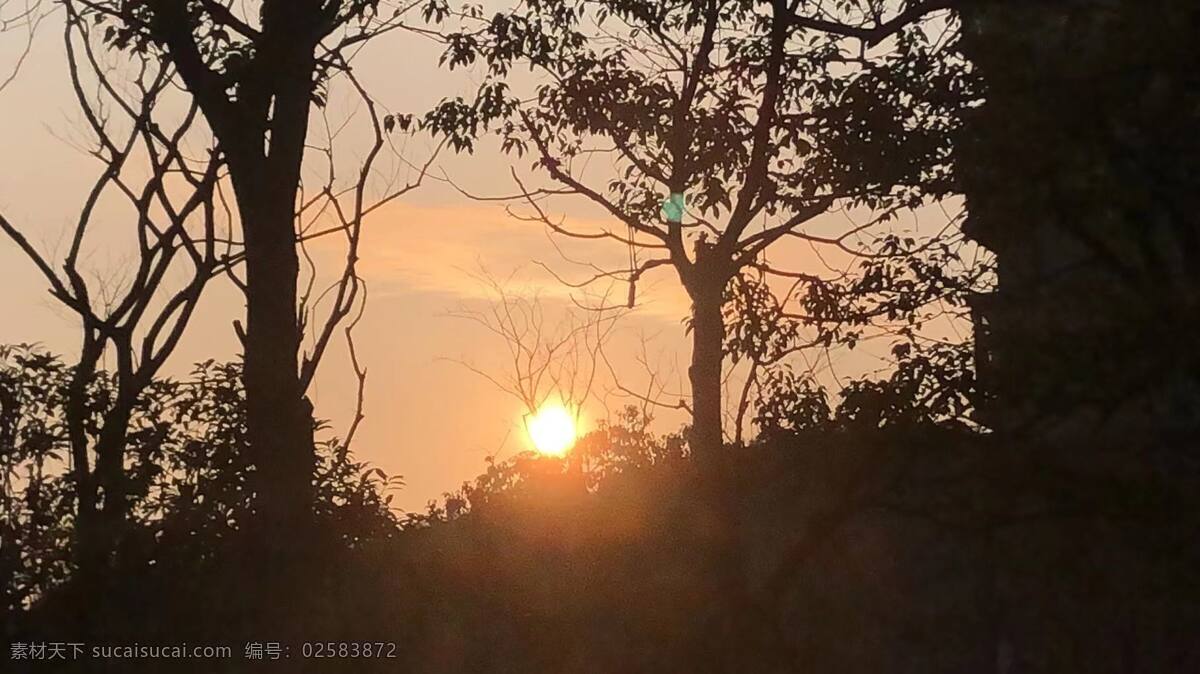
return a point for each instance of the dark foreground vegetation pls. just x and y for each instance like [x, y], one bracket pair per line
[863, 539]
[1024, 498]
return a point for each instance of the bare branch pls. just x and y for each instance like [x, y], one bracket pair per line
[871, 35]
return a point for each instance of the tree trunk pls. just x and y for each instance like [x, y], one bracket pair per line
[110, 450]
[708, 336]
[262, 133]
[87, 542]
[108, 523]
[278, 417]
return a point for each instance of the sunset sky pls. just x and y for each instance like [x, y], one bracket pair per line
[428, 417]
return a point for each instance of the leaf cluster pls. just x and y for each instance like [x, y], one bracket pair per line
[186, 478]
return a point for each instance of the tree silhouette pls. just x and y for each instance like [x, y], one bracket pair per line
[728, 126]
[257, 71]
[139, 317]
[20, 19]
[1094, 236]
[550, 354]
[188, 489]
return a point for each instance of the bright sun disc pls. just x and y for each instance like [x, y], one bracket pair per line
[552, 430]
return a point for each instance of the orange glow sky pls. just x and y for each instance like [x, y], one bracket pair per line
[427, 417]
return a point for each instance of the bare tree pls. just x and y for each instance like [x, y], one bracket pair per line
[168, 197]
[257, 71]
[710, 131]
[143, 131]
[20, 18]
[548, 358]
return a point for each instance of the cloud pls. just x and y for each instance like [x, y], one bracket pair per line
[443, 249]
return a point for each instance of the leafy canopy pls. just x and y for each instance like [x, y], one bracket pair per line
[730, 102]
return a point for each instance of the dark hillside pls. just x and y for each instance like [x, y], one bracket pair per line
[896, 550]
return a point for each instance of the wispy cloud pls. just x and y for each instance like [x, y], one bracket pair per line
[443, 249]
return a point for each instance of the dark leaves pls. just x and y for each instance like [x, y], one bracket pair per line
[186, 474]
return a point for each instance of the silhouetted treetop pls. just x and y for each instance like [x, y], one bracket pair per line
[722, 128]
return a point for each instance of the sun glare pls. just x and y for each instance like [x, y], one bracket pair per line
[552, 430]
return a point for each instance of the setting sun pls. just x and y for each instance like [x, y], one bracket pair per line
[552, 430]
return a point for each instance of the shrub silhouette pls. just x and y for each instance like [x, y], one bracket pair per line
[845, 541]
[188, 480]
